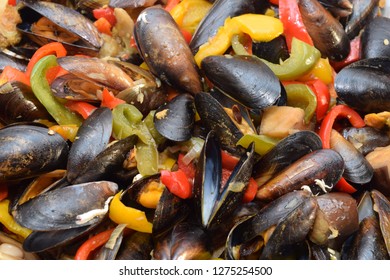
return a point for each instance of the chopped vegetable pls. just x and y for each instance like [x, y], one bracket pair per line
[177, 183]
[96, 241]
[8, 221]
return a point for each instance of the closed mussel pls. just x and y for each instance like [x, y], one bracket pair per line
[28, 150]
[244, 78]
[375, 38]
[165, 50]
[365, 85]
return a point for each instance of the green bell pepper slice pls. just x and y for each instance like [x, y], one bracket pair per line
[301, 96]
[41, 89]
[303, 58]
[263, 143]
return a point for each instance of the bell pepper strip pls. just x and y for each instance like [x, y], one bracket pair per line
[322, 94]
[354, 55]
[189, 13]
[109, 100]
[105, 12]
[188, 169]
[42, 91]
[322, 70]
[301, 96]
[274, 2]
[49, 49]
[250, 191]
[303, 58]
[55, 72]
[80, 107]
[12, 2]
[11, 74]
[68, 132]
[171, 4]
[8, 221]
[149, 122]
[187, 35]
[177, 183]
[91, 244]
[228, 161]
[133, 218]
[239, 47]
[127, 120]
[258, 27]
[263, 143]
[103, 26]
[291, 18]
[3, 191]
[326, 129]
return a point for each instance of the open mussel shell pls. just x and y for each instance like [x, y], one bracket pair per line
[214, 118]
[371, 240]
[135, 246]
[186, 241]
[326, 31]
[362, 14]
[67, 18]
[338, 8]
[14, 62]
[91, 139]
[248, 237]
[19, 104]
[65, 208]
[244, 78]
[165, 50]
[365, 85]
[320, 170]
[287, 151]
[107, 162]
[39, 241]
[374, 38]
[28, 150]
[366, 139]
[97, 71]
[175, 120]
[356, 167]
[215, 18]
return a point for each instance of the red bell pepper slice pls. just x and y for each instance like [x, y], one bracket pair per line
[83, 108]
[51, 48]
[3, 191]
[187, 35]
[321, 90]
[12, 2]
[171, 4]
[107, 13]
[109, 100]
[11, 74]
[250, 191]
[293, 25]
[326, 129]
[228, 161]
[92, 244]
[103, 26]
[274, 2]
[177, 183]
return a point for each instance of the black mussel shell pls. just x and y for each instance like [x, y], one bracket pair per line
[365, 85]
[214, 117]
[287, 151]
[215, 18]
[107, 162]
[356, 168]
[91, 139]
[273, 51]
[244, 78]
[382, 206]
[19, 104]
[175, 120]
[375, 38]
[338, 8]
[135, 246]
[327, 32]
[324, 166]
[165, 50]
[39, 241]
[366, 139]
[186, 241]
[27, 151]
[63, 208]
[362, 13]
[14, 62]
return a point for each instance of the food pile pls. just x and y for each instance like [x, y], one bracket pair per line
[194, 129]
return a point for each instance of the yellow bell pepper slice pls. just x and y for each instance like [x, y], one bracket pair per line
[260, 28]
[189, 13]
[133, 218]
[8, 221]
[322, 70]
